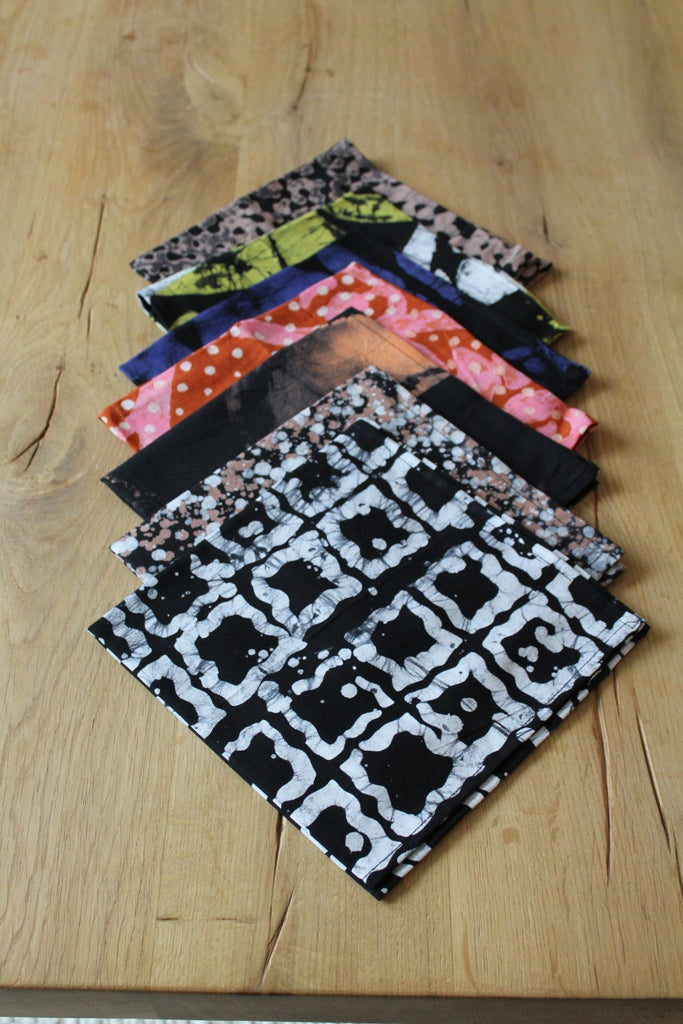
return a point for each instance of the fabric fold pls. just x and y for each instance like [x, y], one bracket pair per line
[178, 298]
[521, 348]
[151, 547]
[154, 407]
[295, 377]
[339, 169]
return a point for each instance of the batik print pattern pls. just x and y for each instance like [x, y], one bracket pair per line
[561, 473]
[481, 286]
[148, 411]
[295, 377]
[178, 298]
[490, 323]
[340, 169]
[369, 647]
[151, 547]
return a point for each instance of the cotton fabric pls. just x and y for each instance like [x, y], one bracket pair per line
[340, 169]
[295, 377]
[151, 409]
[563, 474]
[371, 648]
[183, 295]
[520, 347]
[197, 513]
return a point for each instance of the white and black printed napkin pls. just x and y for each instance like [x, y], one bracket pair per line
[370, 647]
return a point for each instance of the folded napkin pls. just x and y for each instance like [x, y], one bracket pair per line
[562, 473]
[152, 408]
[292, 379]
[342, 168]
[371, 648]
[492, 325]
[153, 545]
[186, 293]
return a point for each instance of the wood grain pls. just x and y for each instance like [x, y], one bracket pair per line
[130, 858]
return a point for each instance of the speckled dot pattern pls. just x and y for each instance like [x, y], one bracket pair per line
[326, 177]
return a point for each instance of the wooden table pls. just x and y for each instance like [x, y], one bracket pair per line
[131, 859]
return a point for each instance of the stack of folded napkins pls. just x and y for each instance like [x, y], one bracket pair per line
[360, 582]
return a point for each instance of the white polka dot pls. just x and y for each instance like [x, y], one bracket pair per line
[237, 373]
[235, 331]
[323, 290]
[289, 327]
[500, 390]
[158, 555]
[185, 366]
[369, 311]
[391, 311]
[182, 387]
[237, 353]
[322, 311]
[127, 404]
[528, 392]
[345, 296]
[475, 367]
[150, 428]
[436, 314]
[529, 410]
[500, 370]
[208, 391]
[180, 412]
[394, 298]
[153, 407]
[556, 414]
[349, 690]
[124, 425]
[468, 704]
[258, 336]
[409, 334]
[433, 337]
[475, 344]
[158, 384]
[294, 306]
[268, 317]
[212, 350]
[347, 279]
[210, 370]
[557, 437]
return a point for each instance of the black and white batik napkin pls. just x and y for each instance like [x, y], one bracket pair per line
[371, 648]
